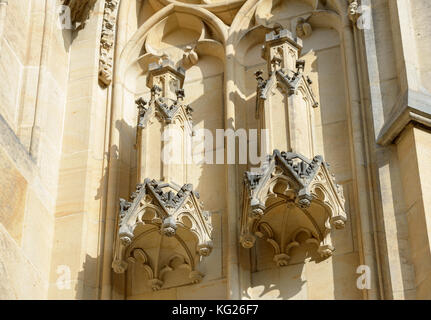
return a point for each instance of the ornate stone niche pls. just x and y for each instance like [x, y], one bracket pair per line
[107, 41]
[289, 196]
[164, 123]
[163, 228]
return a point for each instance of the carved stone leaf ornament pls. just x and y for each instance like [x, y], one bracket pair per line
[107, 41]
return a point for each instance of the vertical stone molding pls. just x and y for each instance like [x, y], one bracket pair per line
[107, 41]
[3, 9]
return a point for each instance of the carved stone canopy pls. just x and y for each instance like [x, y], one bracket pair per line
[162, 228]
[285, 69]
[166, 109]
[164, 74]
[167, 95]
[107, 41]
[281, 50]
[290, 84]
[288, 195]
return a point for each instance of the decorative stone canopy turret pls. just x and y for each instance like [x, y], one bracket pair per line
[160, 224]
[164, 124]
[289, 196]
[281, 51]
[166, 76]
[163, 227]
[287, 91]
[166, 82]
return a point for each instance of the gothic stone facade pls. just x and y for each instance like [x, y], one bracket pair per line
[333, 97]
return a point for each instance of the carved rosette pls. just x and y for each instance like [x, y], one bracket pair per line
[162, 228]
[303, 190]
[107, 41]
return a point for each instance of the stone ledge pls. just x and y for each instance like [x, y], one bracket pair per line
[412, 106]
